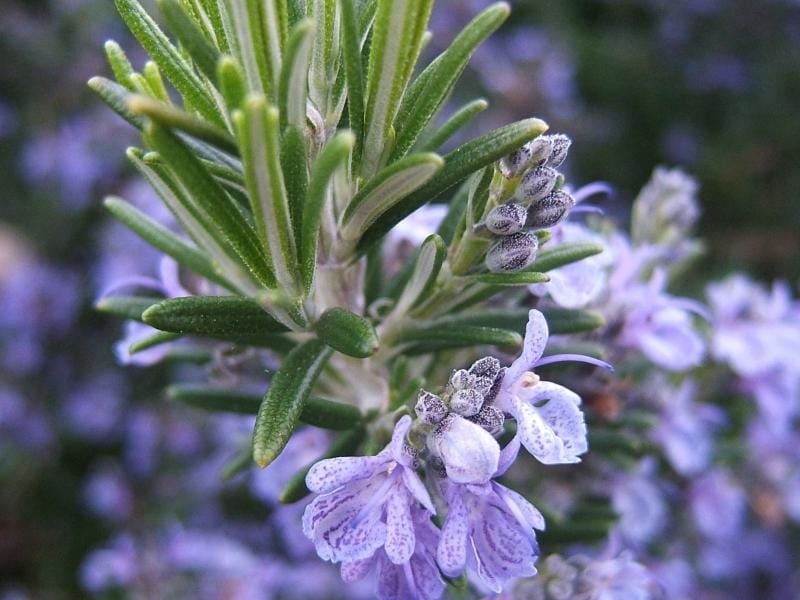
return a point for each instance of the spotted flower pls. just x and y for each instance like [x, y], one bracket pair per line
[489, 530]
[549, 420]
[366, 503]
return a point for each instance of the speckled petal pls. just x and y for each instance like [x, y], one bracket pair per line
[414, 485]
[536, 334]
[451, 553]
[507, 456]
[356, 570]
[562, 415]
[397, 446]
[535, 434]
[330, 522]
[503, 550]
[331, 474]
[399, 527]
[531, 517]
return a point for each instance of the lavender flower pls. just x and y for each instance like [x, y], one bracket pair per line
[549, 421]
[417, 578]
[488, 530]
[366, 503]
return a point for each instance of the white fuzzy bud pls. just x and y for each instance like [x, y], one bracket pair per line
[506, 219]
[466, 402]
[550, 210]
[536, 184]
[430, 408]
[516, 162]
[512, 253]
[561, 144]
[469, 453]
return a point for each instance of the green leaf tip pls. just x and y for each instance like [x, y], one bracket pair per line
[347, 332]
[283, 403]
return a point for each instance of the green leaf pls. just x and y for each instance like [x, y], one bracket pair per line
[459, 163]
[564, 320]
[164, 240]
[158, 338]
[238, 464]
[229, 318]
[373, 276]
[438, 79]
[232, 83]
[283, 404]
[459, 119]
[155, 83]
[325, 54]
[426, 270]
[257, 127]
[345, 445]
[116, 97]
[252, 44]
[562, 255]
[126, 307]
[510, 279]
[385, 190]
[191, 219]
[203, 53]
[559, 320]
[217, 214]
[119, 63]
[295, 174]
[174, 118]
[333, 155]
[464, 336]
[212, 10]
[347, 332]
[169, 60]
[318, 412]
[293, 89]
[396, 39]
[351, 45]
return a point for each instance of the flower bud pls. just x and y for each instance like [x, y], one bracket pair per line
[561, 144]
[466, 402]
[485, 371]
[536, 184]
[506, 219]
[430, 408]
[512, 253]
[516, 162]
[461, 379]
[550, 210]
[540, 149]
[490, 418]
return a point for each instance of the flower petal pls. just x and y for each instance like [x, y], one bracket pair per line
[356, 570]
[536, 334]
[502, 548]
[507, 456]
[330, 522]
[400, 537]
[470, 454]
[534, 433]
[332, 473]
[558, 408]
[451, 554]
[520, 507]
[398, 444]
[414, 485]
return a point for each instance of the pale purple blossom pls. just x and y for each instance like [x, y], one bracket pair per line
[416, 579]
[489, 530]
[550, 423]
[365, 503]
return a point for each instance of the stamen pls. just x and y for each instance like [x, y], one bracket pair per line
[554, 358]
[591, 189]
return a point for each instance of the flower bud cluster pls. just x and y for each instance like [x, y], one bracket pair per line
[538, 203]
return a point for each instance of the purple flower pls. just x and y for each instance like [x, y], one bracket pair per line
[366, 503]
[416, 579]
[685, 427]
[659, 325]
[549, 421]
[489, 530]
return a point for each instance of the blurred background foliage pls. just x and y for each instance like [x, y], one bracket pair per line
[709, 85]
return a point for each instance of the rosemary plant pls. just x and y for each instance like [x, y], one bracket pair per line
[288, 138]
